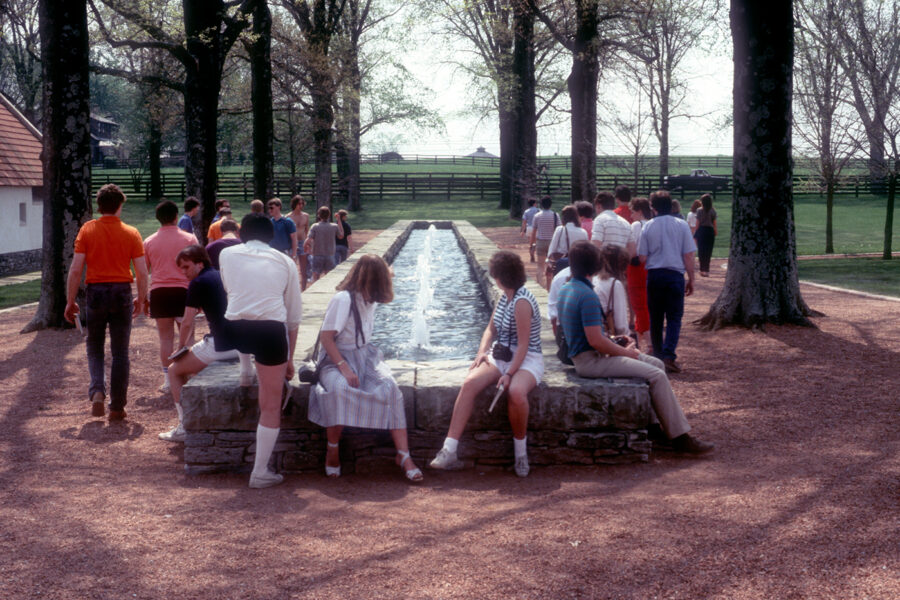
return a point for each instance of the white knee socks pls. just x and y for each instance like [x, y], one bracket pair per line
[520, 446]
[265, 442]
[246, 364]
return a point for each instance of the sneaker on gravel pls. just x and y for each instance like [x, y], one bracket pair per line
[522, 467]
[176, 434]
[267, 479]
[164, 388]
[446, 461]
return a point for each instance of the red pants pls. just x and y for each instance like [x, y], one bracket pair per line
[637, 293]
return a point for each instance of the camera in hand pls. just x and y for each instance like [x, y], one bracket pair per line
[622, 340]
[501, 352]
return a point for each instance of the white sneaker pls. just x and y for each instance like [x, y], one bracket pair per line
[522, 467]
[267, 479]
[176, 434]
[164, 388]
[446, 461]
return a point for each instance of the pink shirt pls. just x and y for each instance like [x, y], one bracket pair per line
[161, 248]
[587, 225]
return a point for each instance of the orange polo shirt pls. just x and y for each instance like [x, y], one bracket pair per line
[109, 246]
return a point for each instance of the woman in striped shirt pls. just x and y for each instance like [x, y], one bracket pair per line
[509, 355]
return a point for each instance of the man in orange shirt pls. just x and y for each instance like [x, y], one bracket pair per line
[107, 247]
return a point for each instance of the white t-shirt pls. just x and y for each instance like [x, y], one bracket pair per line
[559, 280]
[338, 318]
[692, 220]
[620, 303]
[636, 228]
[262, 284]
[558, 243]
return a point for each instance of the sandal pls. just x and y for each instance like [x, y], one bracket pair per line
[332, 471]
[415, 474]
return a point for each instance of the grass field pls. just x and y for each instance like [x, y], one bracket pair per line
[872, 275]
[19, 293]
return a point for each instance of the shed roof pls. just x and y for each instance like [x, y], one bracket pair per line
[482, 153]
[20, 149]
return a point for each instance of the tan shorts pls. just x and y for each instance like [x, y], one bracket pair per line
[541, 247]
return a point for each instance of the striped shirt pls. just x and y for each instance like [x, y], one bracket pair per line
[579, 307]
[611, 230]
[545, 222]
[504, 321]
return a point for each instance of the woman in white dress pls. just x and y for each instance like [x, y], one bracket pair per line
[355, 386]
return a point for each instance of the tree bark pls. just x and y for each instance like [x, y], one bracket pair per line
[829, 216]
[889, 218]
[525, 146]
[507, 121]
[154, 149]
[582, 84]
[761, 285]
[67, 149]
[260, 50]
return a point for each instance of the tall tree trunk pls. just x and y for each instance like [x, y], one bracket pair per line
[582, 84]
[323, 118]
[261, 98]
[353, 142]
[67, 149]
[203, 81]
[761, 284]
[525, 165]
[154, 149]
[829, 216]
[663, 142]
[342, 165]
[889, 218]
[507, 122]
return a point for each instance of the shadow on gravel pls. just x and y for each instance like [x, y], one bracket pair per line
[101, 432]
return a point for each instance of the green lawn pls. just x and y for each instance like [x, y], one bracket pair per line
[872, 275]
[19, 293]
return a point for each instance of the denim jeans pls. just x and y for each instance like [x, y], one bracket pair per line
[340, 254]
[109, 304]
[665, 302]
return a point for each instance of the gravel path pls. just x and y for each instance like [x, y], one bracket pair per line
[800, 499]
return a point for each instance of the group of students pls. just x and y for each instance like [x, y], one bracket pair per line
[253, 306]
[642, 285]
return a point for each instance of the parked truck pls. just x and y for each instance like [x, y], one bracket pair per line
[698, 180]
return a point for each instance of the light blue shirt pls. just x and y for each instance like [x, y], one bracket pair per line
[664, 241]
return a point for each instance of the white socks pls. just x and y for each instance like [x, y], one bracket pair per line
[180, 412]
[521, 446]
[246, 364]
[450, 445]
[265, 443]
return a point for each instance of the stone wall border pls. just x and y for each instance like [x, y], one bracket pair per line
[572, 420]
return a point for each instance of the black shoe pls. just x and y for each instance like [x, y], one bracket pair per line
[690, 445]
[672, 366]
[658, 437]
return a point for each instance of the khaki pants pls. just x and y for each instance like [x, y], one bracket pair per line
[593, 365]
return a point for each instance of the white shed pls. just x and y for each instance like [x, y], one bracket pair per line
[21, 181]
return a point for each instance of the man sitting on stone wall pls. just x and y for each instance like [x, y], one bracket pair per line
[595, 355]
[205, 292]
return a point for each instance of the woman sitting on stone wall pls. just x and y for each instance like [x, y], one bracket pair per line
[355, 386]
[509, 355]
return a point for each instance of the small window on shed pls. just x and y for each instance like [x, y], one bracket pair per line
[23, 213]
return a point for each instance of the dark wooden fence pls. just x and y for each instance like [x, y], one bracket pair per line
[447, 186]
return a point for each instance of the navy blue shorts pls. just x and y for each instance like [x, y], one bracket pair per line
[167, 302]
[267, 341]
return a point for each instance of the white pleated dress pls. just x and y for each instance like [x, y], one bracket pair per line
[377, 403]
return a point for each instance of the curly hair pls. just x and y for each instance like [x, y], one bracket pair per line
[507, 269]
[615, 261]
[371, 278]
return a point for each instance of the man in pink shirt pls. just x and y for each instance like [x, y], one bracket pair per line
[168, 287]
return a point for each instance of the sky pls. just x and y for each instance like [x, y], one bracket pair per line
[709, 79]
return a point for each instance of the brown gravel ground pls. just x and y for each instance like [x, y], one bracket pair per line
[799, 500]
